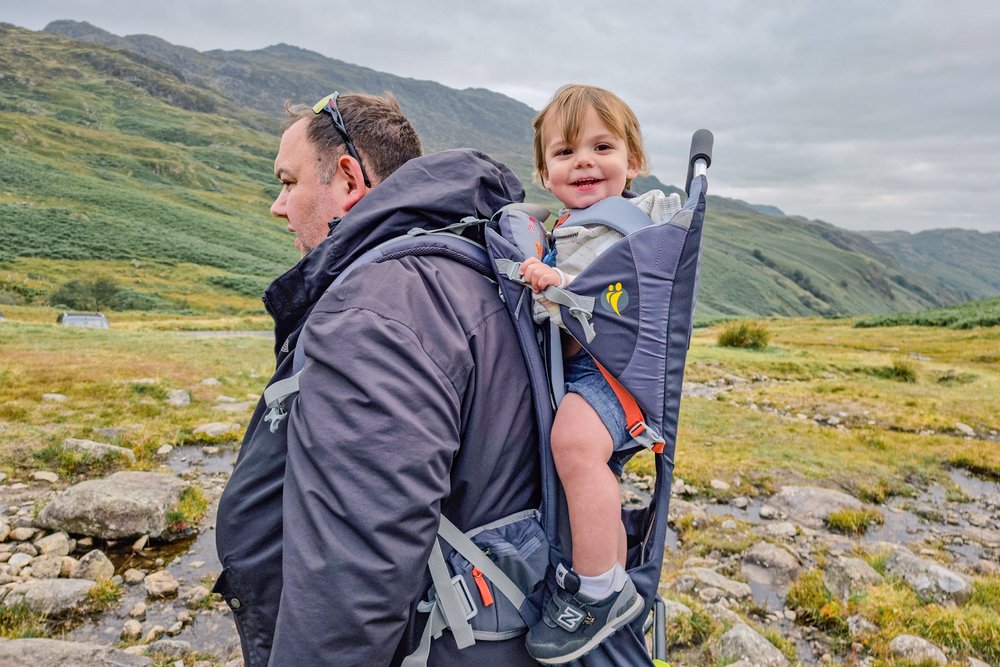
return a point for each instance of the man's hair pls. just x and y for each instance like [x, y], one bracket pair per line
[384, 137]
[570, 104]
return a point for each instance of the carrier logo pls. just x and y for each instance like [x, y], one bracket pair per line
[615, 298]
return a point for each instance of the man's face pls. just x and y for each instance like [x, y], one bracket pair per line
[305, 202]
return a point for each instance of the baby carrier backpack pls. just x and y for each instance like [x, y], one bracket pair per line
[632, 309]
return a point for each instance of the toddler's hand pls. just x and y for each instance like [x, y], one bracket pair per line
[539, 275]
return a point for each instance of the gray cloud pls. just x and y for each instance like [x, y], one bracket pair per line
[870, 115]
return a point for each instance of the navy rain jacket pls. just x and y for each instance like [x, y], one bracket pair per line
[414, 401]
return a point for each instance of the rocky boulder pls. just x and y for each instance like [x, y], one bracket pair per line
[701, 580]
[54, 597]
[916, 651]
[928, 579]
[741, 643]
[98, 450]
[810, 505]
[56, 653]
[770, 564]
[846, 577]
[124, 504]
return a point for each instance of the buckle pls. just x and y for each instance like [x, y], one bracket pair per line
[465, 596]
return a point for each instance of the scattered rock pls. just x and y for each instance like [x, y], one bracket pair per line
[719, 485]
[47, 567]
[98, 450]
[55, 597]
[679, 509]
[161, 584]
[54, 398]
[242, 406]
[916, 650]
[154, 633]
[780, 565]
[56, 544]
[171, 647]
[131, 630]
[66, 565]
[164, 450]
[699, 578]
[846, 577]
[927, 578]
[810, 505]
[178, 398]
[211, 382]
[124, 504]
[94, 565]
[742, 643]
[783, 529]
[740, 502]
[134, 576]
[138, 611]
[216, 429]
[859, 627]
[140, 544]
[45, 476]
[22, 534]
[965, 429]
[673, 609]
[57, 653]
[193, 596]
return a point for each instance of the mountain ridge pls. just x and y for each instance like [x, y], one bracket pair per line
[143, 122]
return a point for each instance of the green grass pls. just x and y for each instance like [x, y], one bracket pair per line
[853, 521]
[982, 313]
[745, 334]
[190, 509]
[104, 594]
[20, 622]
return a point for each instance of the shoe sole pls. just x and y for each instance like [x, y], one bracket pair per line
[608, 630]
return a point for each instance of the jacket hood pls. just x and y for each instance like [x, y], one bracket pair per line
[429, 192]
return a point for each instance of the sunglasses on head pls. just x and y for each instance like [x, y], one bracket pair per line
[329, 104]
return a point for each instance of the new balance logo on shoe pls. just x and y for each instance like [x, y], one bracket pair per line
[570, 618]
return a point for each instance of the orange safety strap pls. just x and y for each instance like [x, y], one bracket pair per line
[633, 415]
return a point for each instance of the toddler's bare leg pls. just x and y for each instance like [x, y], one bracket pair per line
[581, 446]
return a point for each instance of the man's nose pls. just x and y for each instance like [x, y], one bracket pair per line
[278, 207]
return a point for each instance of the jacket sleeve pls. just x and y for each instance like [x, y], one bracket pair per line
[371, 440]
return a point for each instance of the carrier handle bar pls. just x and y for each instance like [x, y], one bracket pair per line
[701, 156]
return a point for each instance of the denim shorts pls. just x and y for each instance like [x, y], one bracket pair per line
[586, 380]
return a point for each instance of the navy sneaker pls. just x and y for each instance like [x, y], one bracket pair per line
[573, 623]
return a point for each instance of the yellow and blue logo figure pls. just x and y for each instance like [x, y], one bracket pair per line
[615, 298]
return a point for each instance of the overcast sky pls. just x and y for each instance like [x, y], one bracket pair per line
[874, 114]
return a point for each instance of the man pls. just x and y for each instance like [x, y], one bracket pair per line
[413, 403]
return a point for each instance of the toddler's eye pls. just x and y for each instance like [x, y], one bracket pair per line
[564, 152]
[604, 147]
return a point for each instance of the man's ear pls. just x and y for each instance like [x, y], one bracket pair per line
[352, 181]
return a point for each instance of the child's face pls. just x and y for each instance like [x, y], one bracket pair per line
[590, 168]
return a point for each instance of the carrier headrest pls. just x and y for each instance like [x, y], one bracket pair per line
[614, 212]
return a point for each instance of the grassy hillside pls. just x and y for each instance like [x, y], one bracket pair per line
[964, 259]
[151, 163]
[102, 158]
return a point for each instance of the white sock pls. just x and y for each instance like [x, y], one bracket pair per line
[602, 585]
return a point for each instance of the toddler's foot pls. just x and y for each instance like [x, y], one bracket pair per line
[573, 623]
